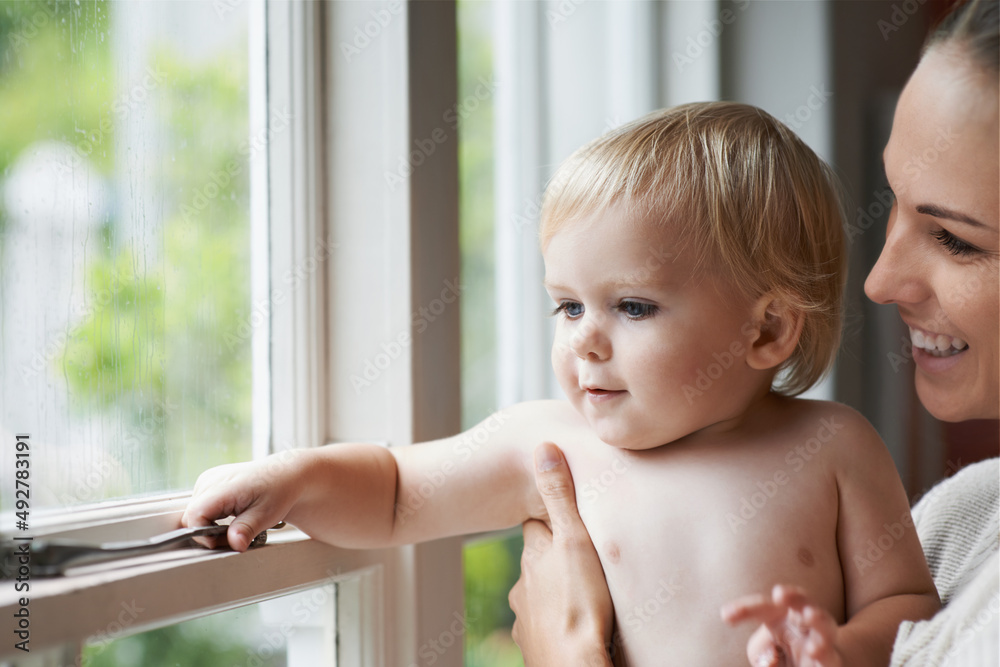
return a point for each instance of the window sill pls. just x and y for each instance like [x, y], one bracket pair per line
[101, 604]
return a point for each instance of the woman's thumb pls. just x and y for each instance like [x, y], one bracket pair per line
[555, 485]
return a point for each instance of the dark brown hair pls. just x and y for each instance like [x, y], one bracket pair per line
[975, 26]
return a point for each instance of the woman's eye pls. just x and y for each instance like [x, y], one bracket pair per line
[637, 310]
[953, 244]
[570, 308]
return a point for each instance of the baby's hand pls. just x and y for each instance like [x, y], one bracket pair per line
[793, 632]
[259, 494]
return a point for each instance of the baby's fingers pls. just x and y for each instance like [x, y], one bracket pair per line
[789, 596]
[225, 501]
[757, 608]
[822, 636]
[762, 651]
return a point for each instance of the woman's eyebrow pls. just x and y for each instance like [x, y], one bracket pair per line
[941, 212]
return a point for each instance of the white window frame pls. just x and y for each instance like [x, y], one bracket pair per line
[368, 257]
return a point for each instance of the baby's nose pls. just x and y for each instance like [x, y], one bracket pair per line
[589, 341]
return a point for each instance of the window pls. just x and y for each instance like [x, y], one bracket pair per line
[328, 273]
[337, 230]
[133, 133]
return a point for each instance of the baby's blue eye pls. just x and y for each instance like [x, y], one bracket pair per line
[637, 310]
[571, 308]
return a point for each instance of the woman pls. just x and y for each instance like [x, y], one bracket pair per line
[940, 267]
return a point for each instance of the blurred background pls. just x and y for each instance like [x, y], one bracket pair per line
[130, 133]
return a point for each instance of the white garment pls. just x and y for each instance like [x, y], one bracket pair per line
[958, 522]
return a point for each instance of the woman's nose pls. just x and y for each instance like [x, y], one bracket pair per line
[588, 339]
[899, 275]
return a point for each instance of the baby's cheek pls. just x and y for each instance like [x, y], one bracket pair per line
[563, 366]
[691, 372]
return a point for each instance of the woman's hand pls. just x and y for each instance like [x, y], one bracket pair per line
[562, 603]
[793, 632]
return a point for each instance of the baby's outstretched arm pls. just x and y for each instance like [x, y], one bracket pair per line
[345, 491]
[886, 578]
[366, 496]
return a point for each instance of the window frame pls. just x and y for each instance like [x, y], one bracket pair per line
[392, 601]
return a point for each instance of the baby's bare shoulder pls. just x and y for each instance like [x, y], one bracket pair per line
[830, 421]
[847, 439]
[528, 424]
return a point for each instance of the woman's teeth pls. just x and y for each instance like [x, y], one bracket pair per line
[938, 345]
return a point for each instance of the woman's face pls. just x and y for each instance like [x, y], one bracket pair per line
[942, 247]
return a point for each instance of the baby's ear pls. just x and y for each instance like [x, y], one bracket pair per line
[774, 333]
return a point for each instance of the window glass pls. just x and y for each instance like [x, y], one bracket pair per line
[294, 630]
[492, 565]
[125, 243]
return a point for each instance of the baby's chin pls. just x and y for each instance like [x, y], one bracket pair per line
[632, 441]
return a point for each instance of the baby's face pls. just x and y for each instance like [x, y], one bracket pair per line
[646, 350]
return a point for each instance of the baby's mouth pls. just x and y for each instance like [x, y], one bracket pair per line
[937, 345]
[595, 392]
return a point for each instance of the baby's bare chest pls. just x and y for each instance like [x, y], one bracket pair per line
[678, 537]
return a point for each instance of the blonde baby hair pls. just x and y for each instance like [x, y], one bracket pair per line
[749, 197]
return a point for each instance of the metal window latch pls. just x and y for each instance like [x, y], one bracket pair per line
[50, 558]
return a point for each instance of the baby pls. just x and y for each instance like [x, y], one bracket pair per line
[696, 260]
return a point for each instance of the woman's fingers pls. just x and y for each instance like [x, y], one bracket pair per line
[555, 484]
[537, 540]
[561, 601]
